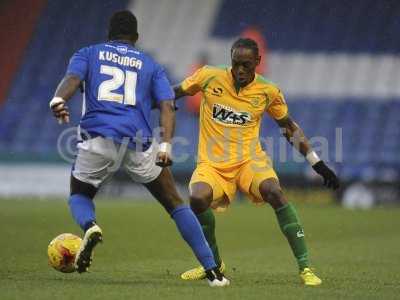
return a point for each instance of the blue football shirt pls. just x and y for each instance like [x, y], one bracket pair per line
[120, 83]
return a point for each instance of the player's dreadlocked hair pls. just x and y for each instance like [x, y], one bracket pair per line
[122, 23]
[245, 43]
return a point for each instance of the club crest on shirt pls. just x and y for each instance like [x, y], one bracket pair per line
[122, 49]
[255, 102]
[228, 115]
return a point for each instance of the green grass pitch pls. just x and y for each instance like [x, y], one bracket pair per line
[356, 253]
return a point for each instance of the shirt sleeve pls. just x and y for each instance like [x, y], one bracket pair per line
[161, 88]
[277, 107]
[193, 84]
[79, 64]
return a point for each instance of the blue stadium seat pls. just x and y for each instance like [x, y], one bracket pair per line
[360, 26]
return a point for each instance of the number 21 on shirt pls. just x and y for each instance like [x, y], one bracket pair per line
[118, 78]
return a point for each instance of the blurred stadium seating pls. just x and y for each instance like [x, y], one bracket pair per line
[338, 62]
[320, 25]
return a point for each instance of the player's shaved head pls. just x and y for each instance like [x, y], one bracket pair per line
[123, 25]
[246, 43]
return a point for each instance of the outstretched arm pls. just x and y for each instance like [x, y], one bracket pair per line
[65, 90]
[295, 136]
[192, 84]
[179, 92]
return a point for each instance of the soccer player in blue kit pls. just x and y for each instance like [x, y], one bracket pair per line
[120, 83]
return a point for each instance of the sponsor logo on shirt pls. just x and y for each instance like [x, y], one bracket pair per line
[217, 91]
[228, 115]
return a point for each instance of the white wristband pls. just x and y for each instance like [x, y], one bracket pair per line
[56, 101]
[165, 147]
[312, 158]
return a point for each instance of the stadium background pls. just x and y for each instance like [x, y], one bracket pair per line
[337, 63]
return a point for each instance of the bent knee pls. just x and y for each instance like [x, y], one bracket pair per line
[200, 199]
[272, 193]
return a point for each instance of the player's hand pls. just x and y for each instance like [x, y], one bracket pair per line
[164, 155]
[60, 110]
[330, 178]
[163, 159]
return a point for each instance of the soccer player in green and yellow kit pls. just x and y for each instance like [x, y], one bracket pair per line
[230, 155]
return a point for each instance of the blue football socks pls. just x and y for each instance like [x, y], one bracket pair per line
[82, 210]
[191, 231]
